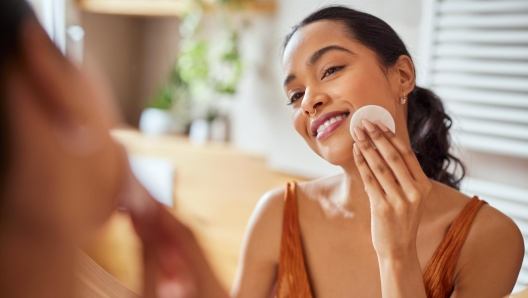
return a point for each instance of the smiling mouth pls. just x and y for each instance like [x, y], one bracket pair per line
[327, 125]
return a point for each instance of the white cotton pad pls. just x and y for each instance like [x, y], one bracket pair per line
[372, 113]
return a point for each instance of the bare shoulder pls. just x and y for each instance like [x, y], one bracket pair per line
[491, 256]
[492, 253]
[490, 230]
[493, 234]
[260, 252]
[270, 205]
[265, 225]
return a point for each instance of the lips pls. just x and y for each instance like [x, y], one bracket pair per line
[321, 124]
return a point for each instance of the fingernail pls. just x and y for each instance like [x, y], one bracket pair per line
[382, 127]
[356, 150]
[360, 134]
[368, 125]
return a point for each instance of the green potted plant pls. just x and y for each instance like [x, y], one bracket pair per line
[206, 71]
[168, 108]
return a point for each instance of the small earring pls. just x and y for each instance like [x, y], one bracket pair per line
[403, 99]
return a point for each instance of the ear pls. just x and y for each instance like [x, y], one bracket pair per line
[404, 69]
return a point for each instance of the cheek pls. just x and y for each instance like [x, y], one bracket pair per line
[299, 122]
[365, 87]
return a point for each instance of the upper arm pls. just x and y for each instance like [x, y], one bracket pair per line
[259, 258]
[491, 257]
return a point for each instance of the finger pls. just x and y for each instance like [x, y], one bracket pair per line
[391, 156]
[406, 152]
[376, 164]
[165, 273]
[372, 186]
[168, 273]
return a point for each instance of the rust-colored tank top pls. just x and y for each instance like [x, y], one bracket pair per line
[293, 278]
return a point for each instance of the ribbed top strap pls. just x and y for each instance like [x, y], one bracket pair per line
[293, 276]
[93, 281]
[439, 273]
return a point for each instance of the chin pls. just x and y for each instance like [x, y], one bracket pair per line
[337, 150]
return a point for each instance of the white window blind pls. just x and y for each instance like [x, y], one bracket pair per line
[52, 16]
[474, 55]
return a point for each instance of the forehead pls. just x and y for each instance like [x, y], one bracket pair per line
[313, 37]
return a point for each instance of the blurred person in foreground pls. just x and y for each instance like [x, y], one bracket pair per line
[62, 175]
[393, 224]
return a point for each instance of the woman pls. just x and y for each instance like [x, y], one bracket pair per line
[394, 223]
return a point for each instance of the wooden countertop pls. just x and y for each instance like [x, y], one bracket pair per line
[216, 190]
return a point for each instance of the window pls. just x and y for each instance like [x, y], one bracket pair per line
[474, 55]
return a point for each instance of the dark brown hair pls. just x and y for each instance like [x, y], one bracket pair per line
[427, 122]
[12, 14]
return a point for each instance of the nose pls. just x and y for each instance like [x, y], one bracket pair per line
[313, 101]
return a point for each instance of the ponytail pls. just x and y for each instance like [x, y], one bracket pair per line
[428, 127]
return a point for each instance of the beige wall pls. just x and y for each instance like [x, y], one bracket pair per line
[136, 54]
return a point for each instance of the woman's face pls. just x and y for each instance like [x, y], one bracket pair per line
[330, 75]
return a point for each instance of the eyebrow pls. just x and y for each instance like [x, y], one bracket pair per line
[289, 78]
[315, 57]
[320, 53]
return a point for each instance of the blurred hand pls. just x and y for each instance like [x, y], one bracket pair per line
[174, 264]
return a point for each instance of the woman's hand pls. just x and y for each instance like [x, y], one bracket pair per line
[397, 188]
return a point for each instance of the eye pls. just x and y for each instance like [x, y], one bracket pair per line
[295, 97]
[331, 71]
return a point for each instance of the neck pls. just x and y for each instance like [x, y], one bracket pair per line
[352, 196]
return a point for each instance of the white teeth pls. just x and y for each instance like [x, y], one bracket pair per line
[330, 121]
